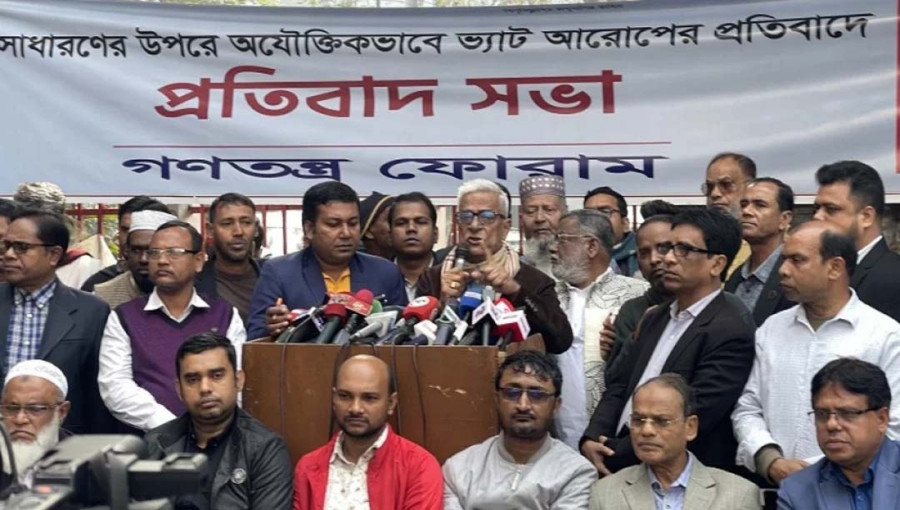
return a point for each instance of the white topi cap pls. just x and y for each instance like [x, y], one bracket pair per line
[39, 368]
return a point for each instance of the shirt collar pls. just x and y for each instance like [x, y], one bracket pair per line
[40, 296]
[861, 254]
[833, 471]
[156, 303]
[599, 280]
[695, 309]
[338, 452]
[765, 269]
[213, 442]
[849, 313]
[683, 478]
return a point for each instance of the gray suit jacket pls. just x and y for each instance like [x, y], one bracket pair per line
[708, 489]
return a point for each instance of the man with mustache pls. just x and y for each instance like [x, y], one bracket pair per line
[522, 467]
[136, 281]
[727, 175]
[33, 408]
[329, 264]
[702, 333]
[775, 436]
[589, 291]
[483, 222]
[231, 272]
[662, 423]
[543, 204]
[248, 465]
[766, 213]
[366, 464]
[143, 335]
[851, 409]
[413, 221]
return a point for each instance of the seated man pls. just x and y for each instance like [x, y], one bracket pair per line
[851, 402]
[248, 464]
[522, 467]
[329, 264]
[33, 408]
[366, 464]
[669, 476]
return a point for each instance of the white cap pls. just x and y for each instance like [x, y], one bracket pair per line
[39, 368]
[149, 220]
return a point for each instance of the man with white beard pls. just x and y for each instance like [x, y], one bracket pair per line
[589, 291]
[543, 204]
[33, 407]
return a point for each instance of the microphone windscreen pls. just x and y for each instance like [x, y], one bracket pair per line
[422, 308]
[335, 310]
[503, 305]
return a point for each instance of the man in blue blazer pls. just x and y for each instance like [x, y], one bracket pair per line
[330, 263]
[851, 402]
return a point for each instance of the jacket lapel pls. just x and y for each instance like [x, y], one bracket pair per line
[694, 330]
[227, 464]
[59, 320]
[701, 489]
[769, 297]
[637, 491]
[357, 275]
[647, 341]
[868, 262]
[312, 276]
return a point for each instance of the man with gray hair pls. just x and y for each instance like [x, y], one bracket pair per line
[33, 407]
[669, 476]
[543, 204]
[589, 292]
[483, 221]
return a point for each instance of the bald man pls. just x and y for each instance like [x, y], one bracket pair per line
[366, 465]
[33, 408]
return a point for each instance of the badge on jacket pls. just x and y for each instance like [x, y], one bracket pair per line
[238, 476]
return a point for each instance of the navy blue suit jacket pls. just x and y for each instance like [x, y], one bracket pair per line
[297, 279]
[813, 488]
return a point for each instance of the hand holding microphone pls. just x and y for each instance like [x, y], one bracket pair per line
[278, 318]
[453, 281]
[495, 273]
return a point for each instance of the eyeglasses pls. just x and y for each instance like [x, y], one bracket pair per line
[842, 415]
[31, 410]
[170, 253]
[534, 395]
[726, 185]
[486, 217]
[637, 422]
[568, 238]
[20, 247]
[681, 249]
[607, 211]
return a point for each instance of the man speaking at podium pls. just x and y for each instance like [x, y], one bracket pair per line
[329, 263]
[483, 227]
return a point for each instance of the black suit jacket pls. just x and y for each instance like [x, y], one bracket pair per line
[877, 280]
[714, 354]
[71, 341]
[771, 300]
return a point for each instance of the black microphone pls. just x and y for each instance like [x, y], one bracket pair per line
[336, 313]
[462, 253]
[359, 307]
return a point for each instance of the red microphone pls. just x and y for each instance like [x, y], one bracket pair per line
[335, 315]
[360, 303]
[512, 327]
[503, 305]
[423, 308]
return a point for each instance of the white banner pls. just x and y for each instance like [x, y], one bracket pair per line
[116, 99]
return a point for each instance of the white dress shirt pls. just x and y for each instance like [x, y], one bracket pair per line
[861, 254]
[347, 481]
[126, 400]
[679, 322]
[774, 404]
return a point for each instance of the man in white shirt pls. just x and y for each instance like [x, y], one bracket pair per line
[851, 197]
[776, 437]
[137, 353]
[589, 291]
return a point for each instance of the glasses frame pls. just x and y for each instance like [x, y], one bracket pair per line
[171, 253]
[535, 396]
[461, 215]
[6, 245]
[682, 250]
[843, 416]
[638, 422]
[726, 185]
[31, 410]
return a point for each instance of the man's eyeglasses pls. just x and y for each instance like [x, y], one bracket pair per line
[534, 395]
[637, 422]
[726, 185]
[486, 217]
[31, 410]
[20, 247]
[607, 211]
[170, 253]
[842, 415]
[681, 249]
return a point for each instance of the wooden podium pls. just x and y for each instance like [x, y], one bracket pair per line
[446, 394]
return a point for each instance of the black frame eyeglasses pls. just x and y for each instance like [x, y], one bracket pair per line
[682, 250]
[485, 217]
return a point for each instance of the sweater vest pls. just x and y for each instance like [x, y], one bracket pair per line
[155, 339]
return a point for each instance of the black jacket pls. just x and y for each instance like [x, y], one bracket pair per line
[714, 354]
[626, 322]
[255, 471]
[877, 280]
[771, 300]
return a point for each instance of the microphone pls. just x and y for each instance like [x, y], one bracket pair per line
[377, 324]
[301, 322]
[446, 326]
[420, 309]
[483, 319]
[462, 253]
[335, 313]
[470, 300]
[513, 327]
[488, 296]
[360, 306]
[426, 329]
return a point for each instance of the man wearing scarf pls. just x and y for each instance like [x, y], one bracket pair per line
[483, 222]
